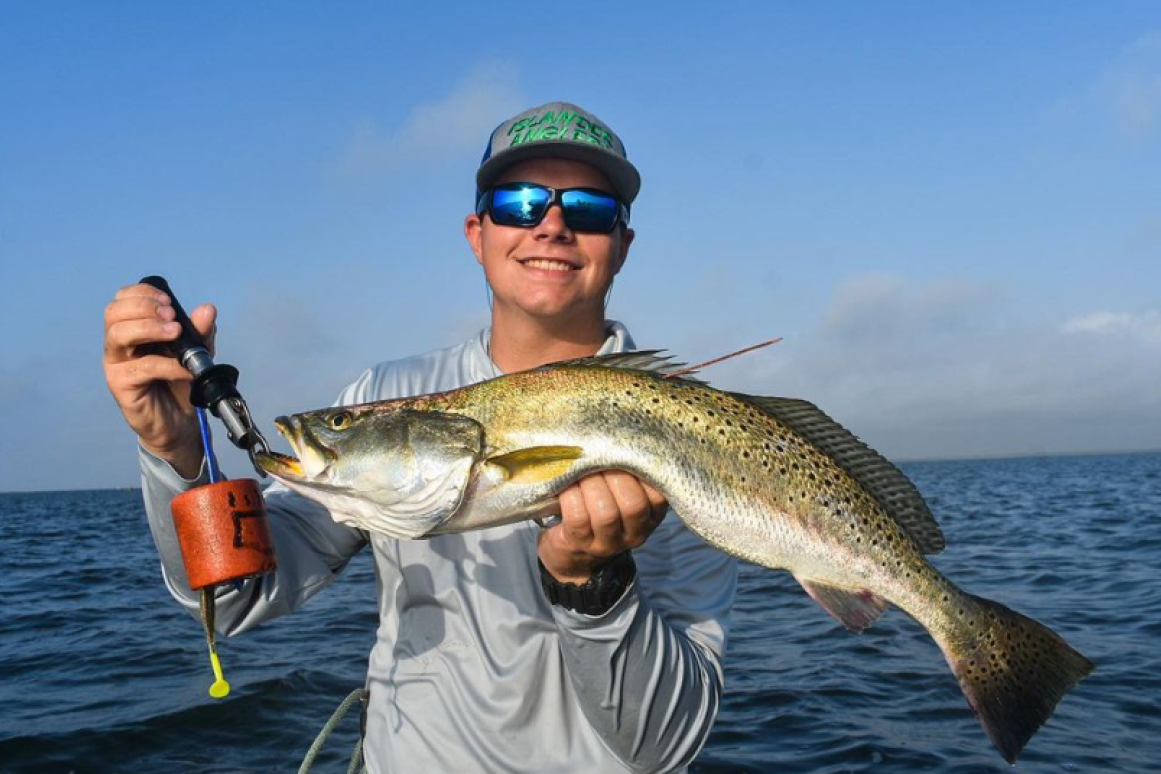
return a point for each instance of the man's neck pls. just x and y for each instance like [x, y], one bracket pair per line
[520, 342]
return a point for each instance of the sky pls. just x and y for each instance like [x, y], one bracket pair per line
[950, 212]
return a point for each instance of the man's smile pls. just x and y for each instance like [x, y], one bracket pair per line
[548, 264]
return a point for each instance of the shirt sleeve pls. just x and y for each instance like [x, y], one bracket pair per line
[648, 672]
[311, 549]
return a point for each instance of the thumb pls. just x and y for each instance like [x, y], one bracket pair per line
[205, 319]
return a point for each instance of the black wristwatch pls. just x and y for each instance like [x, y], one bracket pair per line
[598, 594]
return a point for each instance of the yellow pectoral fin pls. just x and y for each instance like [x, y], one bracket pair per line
[538, 463]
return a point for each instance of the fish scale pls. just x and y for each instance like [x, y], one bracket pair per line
[773, 481]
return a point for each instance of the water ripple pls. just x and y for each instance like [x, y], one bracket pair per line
[104, 673]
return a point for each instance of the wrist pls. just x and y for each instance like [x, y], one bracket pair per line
[567, 566]
[185, 457]
[595, 595]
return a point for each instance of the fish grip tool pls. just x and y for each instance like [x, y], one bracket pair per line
[221, 527]
[215, 385]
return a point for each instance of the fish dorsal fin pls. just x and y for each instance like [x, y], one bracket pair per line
[882, 480]
[652, 360]
[537, 464]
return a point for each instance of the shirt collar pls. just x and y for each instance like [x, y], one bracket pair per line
[482, 366]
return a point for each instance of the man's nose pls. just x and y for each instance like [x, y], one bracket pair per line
[553, 225]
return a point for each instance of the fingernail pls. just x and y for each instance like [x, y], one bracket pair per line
[171, 327]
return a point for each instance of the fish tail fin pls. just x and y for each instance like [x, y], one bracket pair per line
[1012, 669]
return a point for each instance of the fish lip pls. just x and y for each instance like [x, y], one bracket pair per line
[279, 465]
[285, 465]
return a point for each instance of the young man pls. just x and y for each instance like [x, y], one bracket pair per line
[593, 645]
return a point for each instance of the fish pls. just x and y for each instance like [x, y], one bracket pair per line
[772, 481]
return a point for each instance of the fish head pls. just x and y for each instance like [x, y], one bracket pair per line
[397, 471]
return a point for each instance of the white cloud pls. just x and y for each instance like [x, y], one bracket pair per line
[457, 123]
[1144, 328]
[950, 368]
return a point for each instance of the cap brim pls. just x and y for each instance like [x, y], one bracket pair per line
[624, 176]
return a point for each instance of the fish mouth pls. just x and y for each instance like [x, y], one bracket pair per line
[279, 465]
[289, 466]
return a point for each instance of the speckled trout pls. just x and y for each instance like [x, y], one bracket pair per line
[772, 481]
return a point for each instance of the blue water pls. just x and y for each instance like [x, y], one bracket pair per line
[103, 673]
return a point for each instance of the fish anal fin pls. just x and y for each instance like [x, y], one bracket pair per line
[537, 464]
[855, 610]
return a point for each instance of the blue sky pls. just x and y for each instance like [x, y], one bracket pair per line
[951, 213]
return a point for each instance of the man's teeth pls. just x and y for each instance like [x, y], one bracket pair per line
[541, 263]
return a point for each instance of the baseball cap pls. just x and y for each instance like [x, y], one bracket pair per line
[559, 130]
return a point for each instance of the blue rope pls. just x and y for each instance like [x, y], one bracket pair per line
[203, 423]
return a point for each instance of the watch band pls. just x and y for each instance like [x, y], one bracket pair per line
[598, 594]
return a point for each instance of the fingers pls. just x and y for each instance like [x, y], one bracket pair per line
[205, 319]
[134, 320]
[141, 315]
[610, 512]
[140, 371]
[575, 523]
[124, 337]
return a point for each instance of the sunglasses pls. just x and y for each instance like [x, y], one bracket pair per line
[524, 205]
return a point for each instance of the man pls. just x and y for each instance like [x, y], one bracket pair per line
[593, 645]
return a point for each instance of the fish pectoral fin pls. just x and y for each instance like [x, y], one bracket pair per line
[537, 464]
[855, 610]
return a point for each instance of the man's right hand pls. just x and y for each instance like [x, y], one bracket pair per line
[152, 389]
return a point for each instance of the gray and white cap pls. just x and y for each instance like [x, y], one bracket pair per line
[559, 130]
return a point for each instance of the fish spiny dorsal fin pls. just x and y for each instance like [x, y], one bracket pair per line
[651, 360]
[882, 480]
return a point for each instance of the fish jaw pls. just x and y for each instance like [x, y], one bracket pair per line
[283, 467]
[309, 460]
[419, 516]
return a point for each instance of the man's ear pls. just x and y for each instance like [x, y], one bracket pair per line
[627, 236]
[474, 232]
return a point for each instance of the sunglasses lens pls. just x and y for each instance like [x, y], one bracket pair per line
[521, 205]
[589, 210]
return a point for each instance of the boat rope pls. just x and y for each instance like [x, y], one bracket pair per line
[357, 696]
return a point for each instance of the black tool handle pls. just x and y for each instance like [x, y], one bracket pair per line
[189, 338]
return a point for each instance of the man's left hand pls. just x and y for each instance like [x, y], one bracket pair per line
[601, 516]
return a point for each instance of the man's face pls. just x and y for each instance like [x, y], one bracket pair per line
[549, 272]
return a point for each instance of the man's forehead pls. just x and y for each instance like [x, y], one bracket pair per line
[557, 173]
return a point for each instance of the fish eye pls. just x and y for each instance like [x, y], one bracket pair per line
[340, 420]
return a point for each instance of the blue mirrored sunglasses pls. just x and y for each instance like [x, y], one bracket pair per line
[524, 205]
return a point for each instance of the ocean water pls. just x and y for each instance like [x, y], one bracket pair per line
[101, 672]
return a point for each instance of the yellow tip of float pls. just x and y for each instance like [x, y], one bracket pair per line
[220, 689]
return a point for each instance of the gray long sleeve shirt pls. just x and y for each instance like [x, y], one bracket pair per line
[472, 670]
